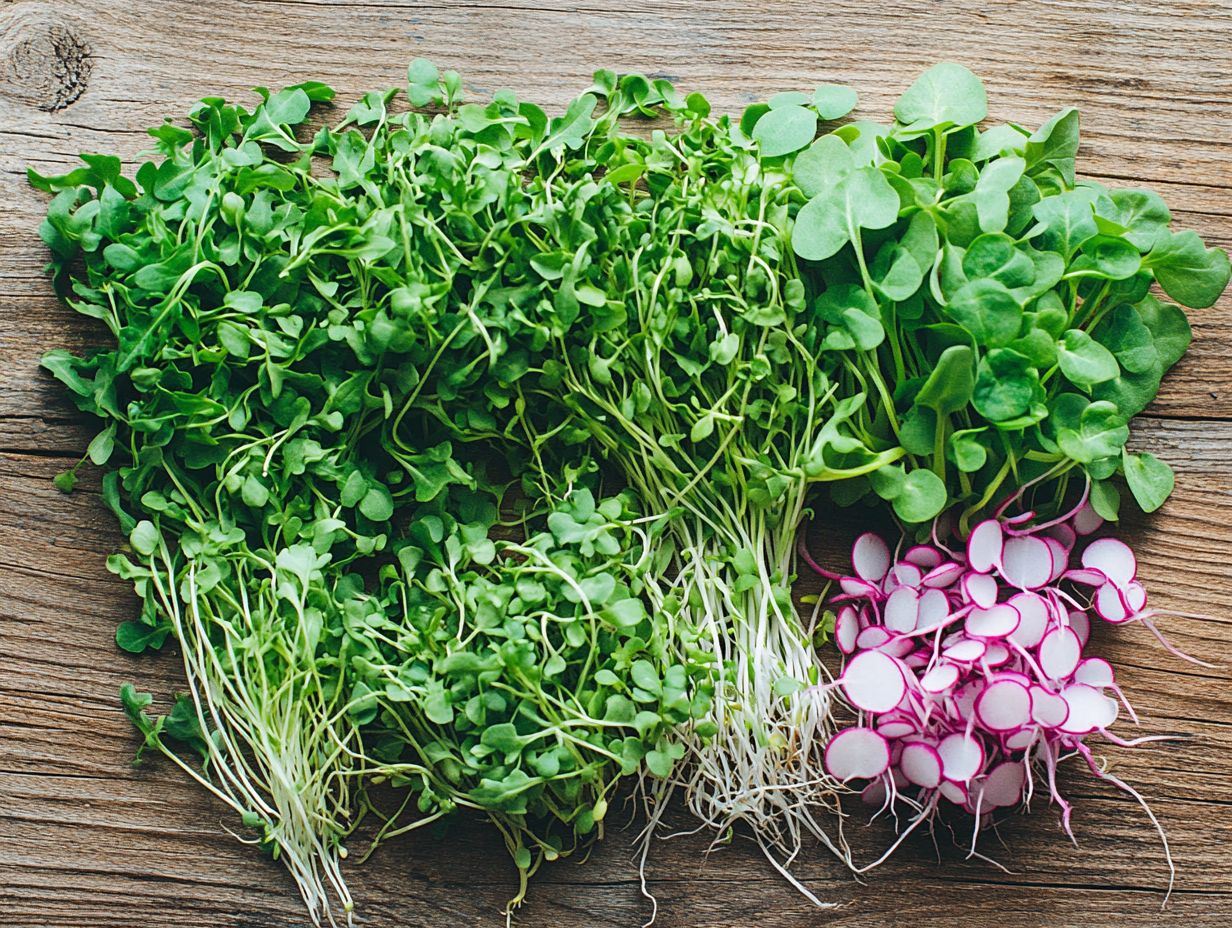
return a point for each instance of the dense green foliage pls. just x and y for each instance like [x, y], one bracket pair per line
[1007, 303]
[308, 372]
[333, 354]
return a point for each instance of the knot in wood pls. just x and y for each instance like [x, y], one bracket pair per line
[44, 61]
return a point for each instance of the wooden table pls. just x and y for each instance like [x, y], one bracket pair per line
[87, 840]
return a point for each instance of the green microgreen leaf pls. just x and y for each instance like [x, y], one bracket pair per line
[834, 101]
[785, 129]
[1187, 270]
[1142, 213]
[988, 310]
[1101, 433]
[921, 497]
[1055, 144]
[1005, 385]
[1105, 500]
[1150, 479]
[950, 385]
[945, 96]
[1084, 361]
[861, 199]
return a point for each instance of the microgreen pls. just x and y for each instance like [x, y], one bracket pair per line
[985, 242]
[967, 671]
[523, 679]
[326, 343]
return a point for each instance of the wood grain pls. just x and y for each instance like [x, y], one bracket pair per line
[88, 840]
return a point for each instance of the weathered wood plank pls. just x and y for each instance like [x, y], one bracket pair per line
[88, 840]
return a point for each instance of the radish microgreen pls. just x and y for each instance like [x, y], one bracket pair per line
[319, 336]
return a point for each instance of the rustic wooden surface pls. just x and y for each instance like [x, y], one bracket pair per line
[86, 840]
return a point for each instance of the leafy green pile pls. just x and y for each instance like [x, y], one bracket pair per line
[1004, 305]
[690, 356]
[525, 678]
[307, 367]
[333, 353]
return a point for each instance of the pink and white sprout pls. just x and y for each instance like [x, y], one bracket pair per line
[967, 668]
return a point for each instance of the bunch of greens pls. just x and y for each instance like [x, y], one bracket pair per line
[235, 458]
[321, 340]
[691, 358]
[290, 360]
[525, 678]
[577, 285]
[998, 308]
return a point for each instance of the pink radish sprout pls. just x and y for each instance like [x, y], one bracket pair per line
[966, 665]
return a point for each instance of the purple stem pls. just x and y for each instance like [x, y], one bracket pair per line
[802, 549]
[1169, 646]
[1125, 787]
[1086, 492]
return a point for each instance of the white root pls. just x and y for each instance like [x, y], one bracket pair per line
[266, 755]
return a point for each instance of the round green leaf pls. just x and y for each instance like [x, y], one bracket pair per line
[1084, 361]
[987, 310]
[1055, 143]
[1101, 433]
[697, 104]
[1130, 393]
[819, 231]
[967, 452]
[101, 446]
[784, 130]
[1142, 213]
[135, 637]
[144, 538]
[787, 98]
[1065, 411]
[887, 482]
[1038, 346]
[854, 319]
[702, 428]
[605, 677]
[862, 198]
[834, 101]
[991, 193]
[996, 255]
[821, 164]
[1005, 385]
[1189, 272]
[751, 116]
[946, 95]
[659, 763]
[1127, 337]
[950, 385]
[1068, 220]
[994, 141]
[1105, 500]
[1150, 479]
[895, 273]
[254, 492]
[522, 858]
[354, 488]
[921, 497]
[1169, 328]
[1106, 257]
[917, 432]
[377, 504]
[645, 676]
[503, 738]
